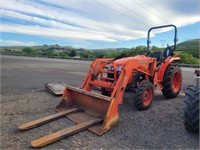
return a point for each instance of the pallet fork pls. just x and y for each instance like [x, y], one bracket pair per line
[85, 122]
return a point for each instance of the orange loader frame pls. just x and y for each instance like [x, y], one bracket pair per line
[108, 109]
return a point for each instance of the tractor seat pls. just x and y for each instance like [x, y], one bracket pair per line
[158, 56]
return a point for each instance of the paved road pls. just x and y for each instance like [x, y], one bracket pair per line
[23, 98]
[188, 77]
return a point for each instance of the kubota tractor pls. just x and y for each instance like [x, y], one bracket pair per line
[98, 112]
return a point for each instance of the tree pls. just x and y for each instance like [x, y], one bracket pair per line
[112, 55]
[188, 58]
[29, 51]
[72, 53]
[156, 49]
[87, 54]
[99, 54]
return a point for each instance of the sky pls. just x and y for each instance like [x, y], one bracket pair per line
[97, 23]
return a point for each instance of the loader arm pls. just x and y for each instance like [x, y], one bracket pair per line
[93, 72]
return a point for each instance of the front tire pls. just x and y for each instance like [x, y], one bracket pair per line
[138, 77]
[191, 109]
[144, 95]
[172, 81]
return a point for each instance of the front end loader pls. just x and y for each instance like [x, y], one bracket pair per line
[98, 111]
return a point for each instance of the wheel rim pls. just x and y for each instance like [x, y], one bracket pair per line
[147, 97]
[176, 82]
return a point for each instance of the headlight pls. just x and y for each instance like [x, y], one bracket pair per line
[118, 68]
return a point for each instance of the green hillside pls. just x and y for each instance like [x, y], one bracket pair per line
[187, 50]
[14, 48]
[190, 46]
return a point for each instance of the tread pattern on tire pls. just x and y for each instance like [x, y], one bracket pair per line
[138, 96]
[191, 109]
[167, 87]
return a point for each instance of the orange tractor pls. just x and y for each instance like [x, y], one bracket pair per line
[98, 112]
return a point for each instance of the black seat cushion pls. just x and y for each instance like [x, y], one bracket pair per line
[157, 55]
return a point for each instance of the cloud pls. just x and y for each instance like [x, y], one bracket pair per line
[56, 33]
[16, 43]
[184, 7]
[106, 21]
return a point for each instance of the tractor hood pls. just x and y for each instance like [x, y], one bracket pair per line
[122, 61]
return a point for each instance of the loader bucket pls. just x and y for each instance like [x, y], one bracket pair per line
[89, 110]
[93, 105]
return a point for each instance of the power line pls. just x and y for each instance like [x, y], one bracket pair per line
[109, 16]
[87, 8]
[156, 14]
[133, 11]
[150, 11]
[106, 15]
[130, 10]
[124, 14]
[119, 13]
[153, 14]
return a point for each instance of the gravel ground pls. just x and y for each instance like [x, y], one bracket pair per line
[23, 99]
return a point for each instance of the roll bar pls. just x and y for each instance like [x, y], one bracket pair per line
[158, 27]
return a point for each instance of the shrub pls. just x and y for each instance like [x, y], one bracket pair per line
[188, 58]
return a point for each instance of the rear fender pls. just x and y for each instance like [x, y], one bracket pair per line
[164, 66]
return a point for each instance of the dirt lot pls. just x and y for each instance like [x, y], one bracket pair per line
[23, 99]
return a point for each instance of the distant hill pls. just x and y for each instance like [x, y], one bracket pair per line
[193, 44]
[190, 46]
[112, 49]
[14, 48]
[58, 47]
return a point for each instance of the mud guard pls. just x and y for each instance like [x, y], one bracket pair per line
[164, 66]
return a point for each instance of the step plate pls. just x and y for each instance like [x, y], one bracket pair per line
[55, 88]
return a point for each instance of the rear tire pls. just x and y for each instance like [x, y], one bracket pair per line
[191, 109]
[172, 81]
[144, 95]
